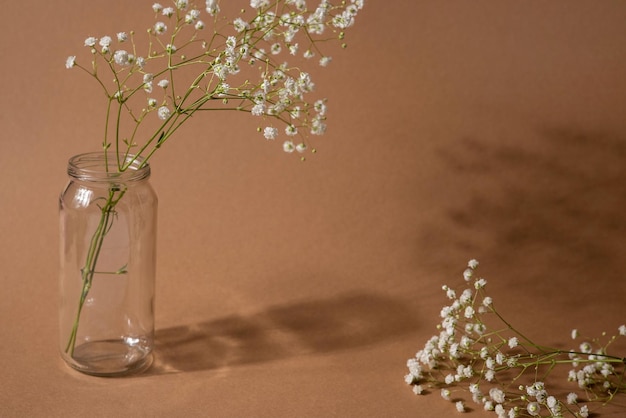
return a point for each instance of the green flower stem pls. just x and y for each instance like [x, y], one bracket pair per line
[107, 213]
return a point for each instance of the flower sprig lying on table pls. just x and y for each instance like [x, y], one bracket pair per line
[238, 63]
[479, 354]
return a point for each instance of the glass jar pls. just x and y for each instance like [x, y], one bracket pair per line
[108, 225]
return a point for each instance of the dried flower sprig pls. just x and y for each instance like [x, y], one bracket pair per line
[480, 355]
[189, 65]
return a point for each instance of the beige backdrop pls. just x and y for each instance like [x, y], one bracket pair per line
[483, 129]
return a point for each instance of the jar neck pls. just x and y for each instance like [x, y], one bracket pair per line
[103, 167]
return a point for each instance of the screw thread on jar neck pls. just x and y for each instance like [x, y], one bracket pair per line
[98, 167]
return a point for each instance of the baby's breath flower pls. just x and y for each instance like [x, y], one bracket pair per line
[466, 297]
[409, 379]
[500, 411]
[182, 4]
[460, 406]
[324, 61]
[572, 398]
[192, 16]
[270, 132]
[466, 342]
[289, 147]
[122, 37]
[105, 41]
[484, 353]
[199, 25]
[70, 61]
[553, 405]
[222, 89]
[258, 4]
[533, 409]
[91, 41]
[511, 362]
[163, 83]
[320, 107]
[122, 57]
[584, 411]
[157, 7]
[240, 25]
[258, 109]
[513, 342]
[317, 127]
[276, 48]
[622, 330]
[488, 405]
[533, 389]
[152, 102]
[477, 395]
[212, 7]
[574, 334]
[164, 112]
[352, 9]
[168, 11]
[445, 394]
[480, 328]
[446, 312]
[291, 130]
[417, 389]
[497, 395]
[414, 368]
[160, 28]
[343, 21]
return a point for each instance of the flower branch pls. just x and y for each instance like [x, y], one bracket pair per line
[479, 352]
[277, 28]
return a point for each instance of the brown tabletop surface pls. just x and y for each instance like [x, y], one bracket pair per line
[483, 129]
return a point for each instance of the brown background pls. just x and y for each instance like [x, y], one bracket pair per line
[458, 129]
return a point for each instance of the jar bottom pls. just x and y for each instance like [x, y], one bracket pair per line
[110, 358]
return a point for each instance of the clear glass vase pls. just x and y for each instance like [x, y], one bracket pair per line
[108, 224]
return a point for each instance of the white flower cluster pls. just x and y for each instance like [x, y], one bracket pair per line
[235, 52]
[591, 370]
[478, 351]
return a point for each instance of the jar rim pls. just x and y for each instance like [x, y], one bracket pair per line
[102, 167]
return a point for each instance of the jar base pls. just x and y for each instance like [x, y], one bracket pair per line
[110, 358]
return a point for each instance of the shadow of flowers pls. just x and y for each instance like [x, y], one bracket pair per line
[550, 207]
[318, 326]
